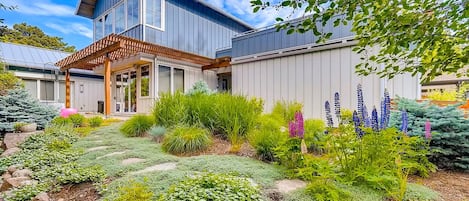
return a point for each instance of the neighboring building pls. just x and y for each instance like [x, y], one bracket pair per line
[35, 66]
[445, 82]
[148, 47]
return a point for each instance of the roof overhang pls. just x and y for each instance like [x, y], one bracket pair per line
[116, 47]
[85, 8]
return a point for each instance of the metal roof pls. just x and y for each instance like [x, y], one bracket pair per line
[33, 57]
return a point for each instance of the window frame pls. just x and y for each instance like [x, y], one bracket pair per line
[163, 15]
[53, 91]
[172, 68]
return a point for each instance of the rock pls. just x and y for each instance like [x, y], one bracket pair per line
[12, 168]
[42, 197]
[286, 186]
[29, 182]
[129, 161]
[6, 175]
[10, 151]
[159, 167]
[22, 173]
[17, 181]
[28, 127]
[14, 139]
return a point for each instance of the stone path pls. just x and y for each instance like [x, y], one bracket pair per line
[97, 148]
[112, 154]
[130, 161]
[286, 186]
[159, 167]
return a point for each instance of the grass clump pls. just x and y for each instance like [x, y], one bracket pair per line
[61, 121]
[77, 120]
[95, 121]
[215, 187]
[187, 139]
[266, 137]
[137, 126]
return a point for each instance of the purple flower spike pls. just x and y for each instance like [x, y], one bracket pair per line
[292, 129]
[356, 122]
[374, 120]
[360, 101]
[404, 122]
[428, 130]
[337, 105]
[366, 118]
[330, 123]
[300, 130]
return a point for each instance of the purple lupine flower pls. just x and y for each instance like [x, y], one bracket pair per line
[337, 105]
[300, 129]
[404, 122]
[428, 130]
[360, 101]
[330, 122]
[374, 120]
[366, 117]
[387, 108]
[292, 129]
[382, 118]
[357, 123]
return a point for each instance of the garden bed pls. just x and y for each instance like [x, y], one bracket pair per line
[452, 186]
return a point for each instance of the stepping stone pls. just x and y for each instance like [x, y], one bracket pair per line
[286, 186]
[112, 154]
[159, 167]
[98, 141]
[97, 148]
[130, 161]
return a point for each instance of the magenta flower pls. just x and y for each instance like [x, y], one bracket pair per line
[428, 130]
[300, 127]
[292, 128]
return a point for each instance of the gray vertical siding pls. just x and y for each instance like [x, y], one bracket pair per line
[313, 78]
[190, 32]
[135, 32]
[271, 39]
[104, 5]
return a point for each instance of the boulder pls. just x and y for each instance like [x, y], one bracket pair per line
[14, 182]
[42, 197]
[13, 168]
[22, 173]
[28, 127]
[14, 139]
[10, 151]
[6, 175]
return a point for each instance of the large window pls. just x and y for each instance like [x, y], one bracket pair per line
[153, 12]
[164, 79]
[98, 28]
[47, 90]
[120, 18]
[132, 13]
[108, 22]
[145, 81]
[31, 87]
[178, 79]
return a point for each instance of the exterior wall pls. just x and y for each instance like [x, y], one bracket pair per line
[270, 39]
[313, 78]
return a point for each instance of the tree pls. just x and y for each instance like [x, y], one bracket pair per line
[8, 80]
[430, 37]
[32, 35]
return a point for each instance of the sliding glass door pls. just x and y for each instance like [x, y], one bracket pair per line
[126, 92]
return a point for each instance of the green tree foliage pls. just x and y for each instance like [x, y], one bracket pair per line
[7, 80]
[450, 131]
[33, 35]
[19, 106]
[427, 37]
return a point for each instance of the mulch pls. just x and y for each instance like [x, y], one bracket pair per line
[452, 186]
[76, 192]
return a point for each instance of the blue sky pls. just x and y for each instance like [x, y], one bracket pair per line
[57, 17]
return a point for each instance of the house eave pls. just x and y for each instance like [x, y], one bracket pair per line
[85, 8]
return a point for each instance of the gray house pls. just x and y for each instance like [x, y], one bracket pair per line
[147, 47]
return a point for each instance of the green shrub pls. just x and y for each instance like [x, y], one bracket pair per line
[449, 128]
[200, 87]
[185, 139]
[26, 193]
[135, 191]
[19, 106]
[170, 110]
[286, 110]
[215, 187]
[95, 121]
[137, 126]
[71, 173]
[61, 121]
[267, 136]
[200, 110]
[77, 119]
[314, 134]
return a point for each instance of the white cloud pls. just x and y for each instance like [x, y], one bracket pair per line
[42, 8]
[72, 28]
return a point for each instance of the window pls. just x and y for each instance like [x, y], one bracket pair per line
[132, 13]
[47, 90]
[164, 79]
[178, 79]
[62, 92]
[31, 87]
[98, 28]
[144, 81]
[108, 21]
[153, 13]
[119, 13]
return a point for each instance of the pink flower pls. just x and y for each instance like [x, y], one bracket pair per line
[300, 128]
[292, 129]
[428, 130]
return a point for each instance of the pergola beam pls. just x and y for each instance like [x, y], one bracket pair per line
[90, 55]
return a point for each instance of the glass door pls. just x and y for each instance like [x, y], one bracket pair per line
[126, 96]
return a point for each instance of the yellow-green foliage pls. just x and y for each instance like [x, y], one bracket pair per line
[107, 122]
[187, 139]
[314, 132]
[84, 131]
[77, 120]
[267, 135]
[135, 191]
[446, 95]
[286, 110]
[95, 121]
[7, 80]
[137, 126]
[346, 116]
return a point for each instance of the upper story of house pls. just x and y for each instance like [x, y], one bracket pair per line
[187, 25]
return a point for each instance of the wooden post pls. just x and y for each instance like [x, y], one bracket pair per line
[107, 87]
[67, 89]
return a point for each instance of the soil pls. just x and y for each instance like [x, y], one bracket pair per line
[76, 192]
[452, 186]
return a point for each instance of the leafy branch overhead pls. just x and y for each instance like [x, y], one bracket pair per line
[426, 37]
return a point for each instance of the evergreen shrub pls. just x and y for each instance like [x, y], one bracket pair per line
[450, 131]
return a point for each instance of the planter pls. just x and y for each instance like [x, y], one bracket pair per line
[28, 128]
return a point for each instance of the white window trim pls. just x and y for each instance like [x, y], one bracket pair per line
[172, 66]
[163, 16]
[149, 65]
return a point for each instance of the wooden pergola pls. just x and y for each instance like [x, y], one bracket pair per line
[115, 47]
